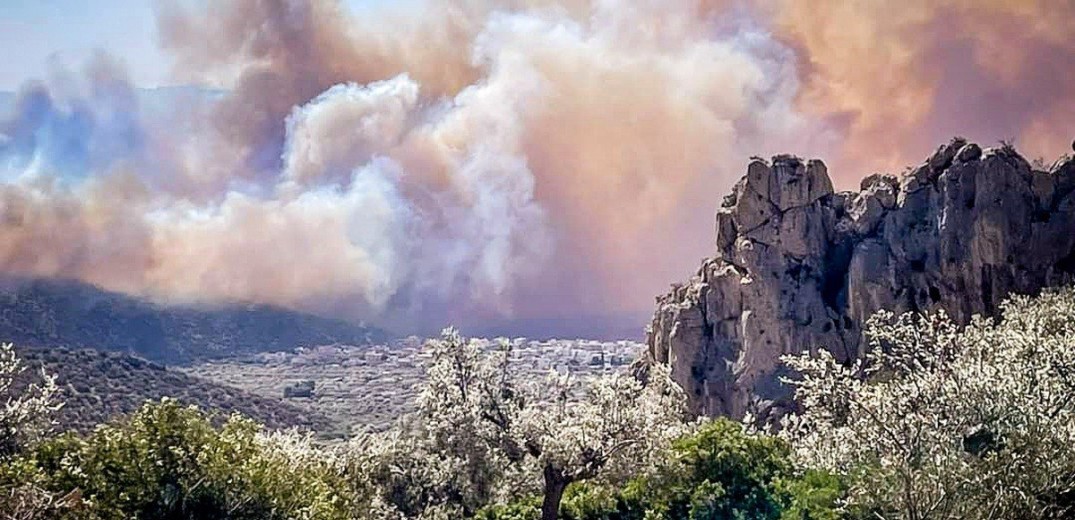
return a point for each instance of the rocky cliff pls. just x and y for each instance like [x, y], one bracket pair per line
[799, 266]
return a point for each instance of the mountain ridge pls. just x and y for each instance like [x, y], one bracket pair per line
[97, 386]
[65, 313]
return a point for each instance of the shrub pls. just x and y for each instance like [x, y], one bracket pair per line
[169, 462]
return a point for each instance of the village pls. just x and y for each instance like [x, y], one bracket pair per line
[371, 387]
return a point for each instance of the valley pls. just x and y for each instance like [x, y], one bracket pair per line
[371, 387]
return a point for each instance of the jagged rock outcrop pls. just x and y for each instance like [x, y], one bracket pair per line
[799, 266]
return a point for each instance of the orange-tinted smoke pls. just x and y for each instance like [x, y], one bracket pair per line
[533, 161]
[901, 77]
[631, 117]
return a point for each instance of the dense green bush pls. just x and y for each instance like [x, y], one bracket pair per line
[168, 462]
[720, 472]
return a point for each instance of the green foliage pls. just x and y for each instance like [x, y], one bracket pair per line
[168, 462]
[596, 502]
[525, 509]
[724, 473]
[812, 496]
[720, 472]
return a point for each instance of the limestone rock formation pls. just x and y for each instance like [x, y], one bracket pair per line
[799, 266]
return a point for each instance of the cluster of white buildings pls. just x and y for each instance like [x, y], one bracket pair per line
[371, 386]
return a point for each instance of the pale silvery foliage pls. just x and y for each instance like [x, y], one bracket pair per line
[498, 435]
[405, 476]
[612, 426]
[26, 411]
[25, 416]
[312, 470]
[944, 422]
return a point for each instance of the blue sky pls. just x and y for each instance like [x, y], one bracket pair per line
[34, 33]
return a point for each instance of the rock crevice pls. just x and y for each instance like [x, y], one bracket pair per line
[799, 266]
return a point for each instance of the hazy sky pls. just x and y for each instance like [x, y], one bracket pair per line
[37, 33]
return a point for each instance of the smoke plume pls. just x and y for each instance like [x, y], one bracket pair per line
[496, 164]
[899, 77]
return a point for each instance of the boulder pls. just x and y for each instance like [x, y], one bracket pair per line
[301, 389]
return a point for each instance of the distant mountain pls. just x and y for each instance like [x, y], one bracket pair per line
[52, 313]
[97, 386]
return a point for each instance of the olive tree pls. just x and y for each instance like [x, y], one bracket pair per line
[26, 407]
[941, 421]
[507, 432]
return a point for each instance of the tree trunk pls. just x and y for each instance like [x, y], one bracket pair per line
[555, 483]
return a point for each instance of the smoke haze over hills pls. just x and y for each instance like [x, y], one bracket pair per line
[489, 163]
